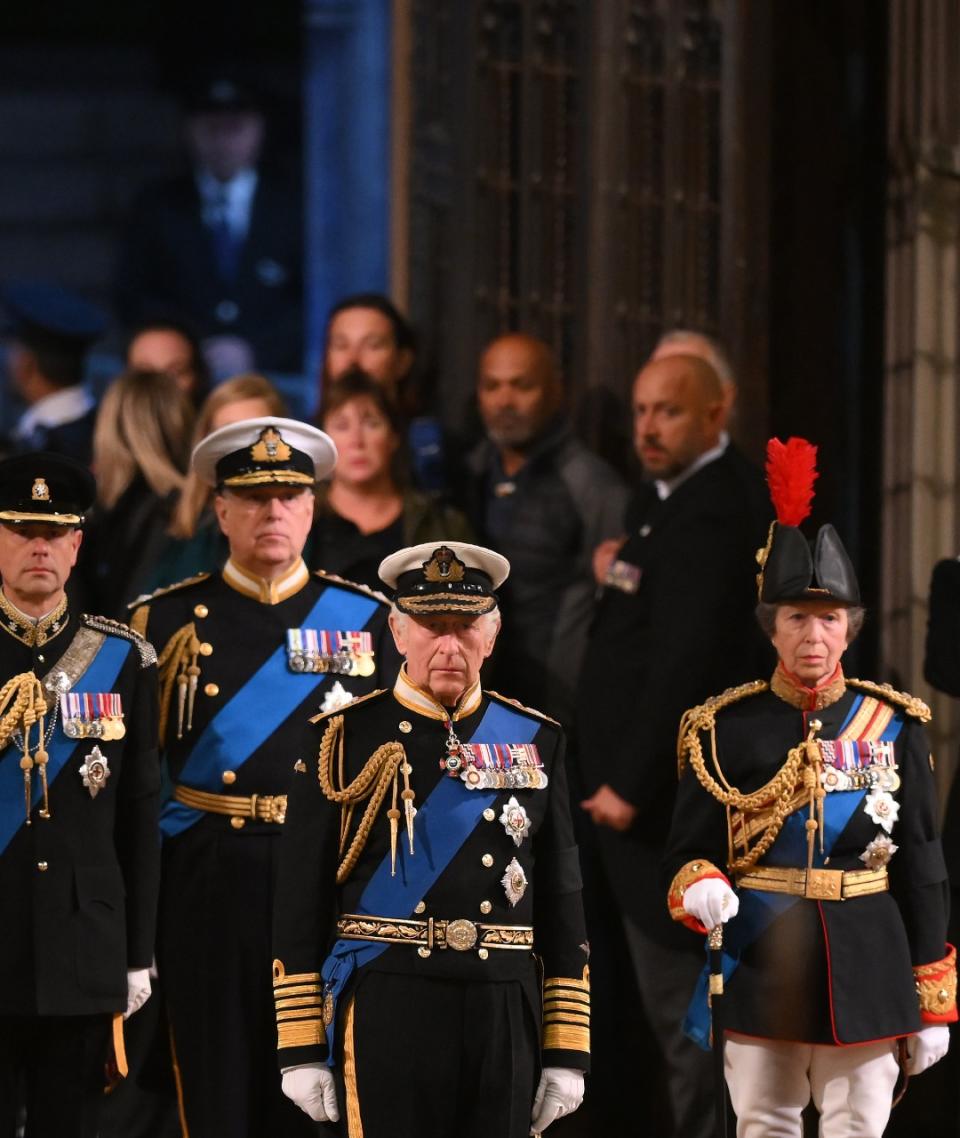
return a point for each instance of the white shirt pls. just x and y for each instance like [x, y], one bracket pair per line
[232, 201]
[63, 406]
[665, 489]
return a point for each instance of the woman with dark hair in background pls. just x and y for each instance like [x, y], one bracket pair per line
[369, 332]
[170, 346]
[141, 445]
[368, 510]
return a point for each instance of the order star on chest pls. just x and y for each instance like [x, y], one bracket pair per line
[515, 820]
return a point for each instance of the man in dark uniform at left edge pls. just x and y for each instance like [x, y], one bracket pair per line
[79, 866]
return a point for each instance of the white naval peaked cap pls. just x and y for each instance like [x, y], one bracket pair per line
[444, 577]
[265, 451]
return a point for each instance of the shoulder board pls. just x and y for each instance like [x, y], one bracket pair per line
[529, 710]
[344, 583]
[702, 717]
[911, 704]
[114, 628]
[355, 702]
[145, 598]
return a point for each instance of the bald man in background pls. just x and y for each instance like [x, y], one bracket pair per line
[672, 626]
[540, 496]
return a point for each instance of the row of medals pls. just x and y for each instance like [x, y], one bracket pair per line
[342, 664]
[106, 727]
[865, 778]
[458, 763]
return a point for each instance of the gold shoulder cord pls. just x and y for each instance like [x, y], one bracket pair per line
[22, 704]
[911, 704]
[379, 772]
[178, 665]
[777, 795]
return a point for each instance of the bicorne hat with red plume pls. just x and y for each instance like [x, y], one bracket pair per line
[792, 568]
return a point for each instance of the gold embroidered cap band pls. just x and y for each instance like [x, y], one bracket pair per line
[446, 578]
[268, 451]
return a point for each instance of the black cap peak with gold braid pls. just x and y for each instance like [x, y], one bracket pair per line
[791, 568]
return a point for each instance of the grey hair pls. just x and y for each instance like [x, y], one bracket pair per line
[767, 618]
[713, 354]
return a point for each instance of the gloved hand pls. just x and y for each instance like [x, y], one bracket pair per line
[312, 1088]
[711, 901]
[927, 1047]
[138, 990]
[560, 1092]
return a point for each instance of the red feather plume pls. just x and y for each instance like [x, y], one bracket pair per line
[791, 473]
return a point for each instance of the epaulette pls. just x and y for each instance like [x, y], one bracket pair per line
[530, 710]
[355, 702]
[703, 716]
[334, 579]
[147, 652]
[144, 598]
[911, 704]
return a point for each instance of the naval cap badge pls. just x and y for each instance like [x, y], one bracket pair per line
[270, 447]
[95, 770]
[444, 565]
[40, 491]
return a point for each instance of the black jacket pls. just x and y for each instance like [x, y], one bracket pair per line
[309, 901]
[168, 268]
[79, 889]
[825, 971]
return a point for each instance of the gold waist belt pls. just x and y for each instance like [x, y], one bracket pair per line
[461, 935]
[259, 807]
[816, 884]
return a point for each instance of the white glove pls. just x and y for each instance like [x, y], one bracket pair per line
[711, 902]
[927, 1047]
[312, 1088]
[138, 990]
[560, 1092]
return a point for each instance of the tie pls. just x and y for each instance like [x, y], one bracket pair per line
[226, 245]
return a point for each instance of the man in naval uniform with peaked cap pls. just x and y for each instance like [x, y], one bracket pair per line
[246, 657]
[79, 792]
[428, 855]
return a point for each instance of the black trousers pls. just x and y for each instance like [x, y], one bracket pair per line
[52, 1067]
[215, 963]
[425, 1058]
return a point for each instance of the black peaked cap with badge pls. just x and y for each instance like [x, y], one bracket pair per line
[45, 487]
[265, 451]
[449, 578]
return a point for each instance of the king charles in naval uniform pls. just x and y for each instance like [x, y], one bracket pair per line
[247, 656]
[79, 794]
[431, 971]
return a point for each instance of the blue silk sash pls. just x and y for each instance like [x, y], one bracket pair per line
[443, 823]
[257, 709]
[99, 676]
[758, 910]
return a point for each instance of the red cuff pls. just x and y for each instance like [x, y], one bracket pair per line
[937, 988]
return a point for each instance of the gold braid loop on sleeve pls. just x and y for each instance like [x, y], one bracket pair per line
[776, 796]
[378, 775]
[179, 668]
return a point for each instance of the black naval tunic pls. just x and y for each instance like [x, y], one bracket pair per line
[435, 1041]
[218, 870]
[79, 888]
[824, 971]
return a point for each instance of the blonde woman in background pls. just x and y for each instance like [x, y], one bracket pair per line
[141, 445]
[194, 543]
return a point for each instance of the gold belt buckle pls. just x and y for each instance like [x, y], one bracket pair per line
[461, 935]
[824, 885]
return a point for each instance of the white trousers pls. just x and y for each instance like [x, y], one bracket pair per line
[771, 1082]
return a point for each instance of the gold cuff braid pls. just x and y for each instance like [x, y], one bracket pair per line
[937, 986]
[686, 876]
